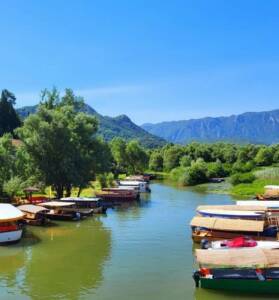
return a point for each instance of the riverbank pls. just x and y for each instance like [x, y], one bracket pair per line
[264, 176]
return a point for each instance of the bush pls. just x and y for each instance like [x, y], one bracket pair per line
[177, 173]
[110, 180]
[185, 161]
[264, 157]
[195, 174]
[172, 157]
[156, 162]
[240, 167]
[215, 169]
[101, 178]
[13, 187]
[242, 178]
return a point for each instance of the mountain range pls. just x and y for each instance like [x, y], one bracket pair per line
[109, 127]
[249, 127]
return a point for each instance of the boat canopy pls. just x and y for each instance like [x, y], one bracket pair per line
[263, 203]
[256, 257]
[132, 183]
[9, 213]
[233, 213]
[272, 187]
[80, 199]
[228, 224]
[234, 207]
[56, 204]
[33, 209]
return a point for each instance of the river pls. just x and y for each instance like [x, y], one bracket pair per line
[137, 252]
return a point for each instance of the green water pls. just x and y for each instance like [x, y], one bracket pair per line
[138, 252]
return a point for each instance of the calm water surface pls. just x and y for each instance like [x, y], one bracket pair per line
[138, 252]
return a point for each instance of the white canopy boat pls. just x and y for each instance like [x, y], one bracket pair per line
[270, 205]
[10, 229]
[142, 186]
[236, 214]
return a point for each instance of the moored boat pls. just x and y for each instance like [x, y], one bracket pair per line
[118, 195]
[269, 205]
[10, 227]
[142, 186]
[34, 214]
[232, 214]
[60, 211]
[252, 281]
[245, 270]
[93, 203]
[221, 228]
[271, 193]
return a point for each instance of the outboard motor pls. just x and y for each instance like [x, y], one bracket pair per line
[205, 244]
[196, 277]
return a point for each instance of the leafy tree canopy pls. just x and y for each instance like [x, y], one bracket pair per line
[9, 120]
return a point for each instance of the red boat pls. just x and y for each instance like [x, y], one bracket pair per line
[115, 195]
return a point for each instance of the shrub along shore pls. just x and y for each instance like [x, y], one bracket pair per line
[58, 146]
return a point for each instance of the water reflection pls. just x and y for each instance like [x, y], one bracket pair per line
[67, 263]
[11, 261]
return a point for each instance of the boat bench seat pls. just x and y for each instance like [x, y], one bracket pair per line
[234, 274]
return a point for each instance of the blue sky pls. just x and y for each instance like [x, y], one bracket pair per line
[152, 60]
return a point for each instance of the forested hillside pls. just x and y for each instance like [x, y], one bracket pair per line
[109, 127]
[250, 127]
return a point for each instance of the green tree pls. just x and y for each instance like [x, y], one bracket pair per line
[61, 142]
[242, 178]
[172, 156]
[195, 174]
[185, 161]
[156, 161]
[9, 119]
[215, 169]
[264, 157]
[119, 154]
[7, 159]
[13, 187]
[137, 157]
[276, 156]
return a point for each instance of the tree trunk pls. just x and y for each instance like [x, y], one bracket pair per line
[59, 189]
[68, 190]
[79, 191]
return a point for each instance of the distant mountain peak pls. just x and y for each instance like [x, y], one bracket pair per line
[110, 127]
[253, 127]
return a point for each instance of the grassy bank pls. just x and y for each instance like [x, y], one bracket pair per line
[264, 176]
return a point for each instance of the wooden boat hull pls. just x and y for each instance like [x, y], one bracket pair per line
[62, 217]
[100, 210]
[242, 285]
[84, 212]
[36, 222]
